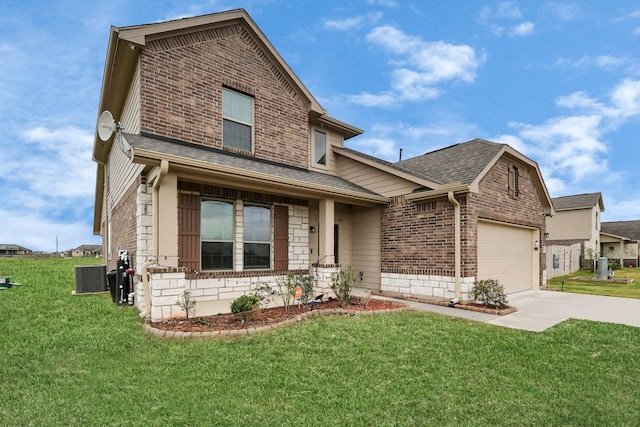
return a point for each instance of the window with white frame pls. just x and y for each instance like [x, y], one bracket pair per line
[257, 237]
[216, 235]
[237, 114]
[319, 148]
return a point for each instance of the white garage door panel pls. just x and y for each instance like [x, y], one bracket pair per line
[505, 253]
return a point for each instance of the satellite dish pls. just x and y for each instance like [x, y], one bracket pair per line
[106, 125]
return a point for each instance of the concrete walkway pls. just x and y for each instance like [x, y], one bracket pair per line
[539, 310]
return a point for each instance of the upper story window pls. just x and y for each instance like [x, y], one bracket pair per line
[319, 148]
[216, 235]
[237, 114]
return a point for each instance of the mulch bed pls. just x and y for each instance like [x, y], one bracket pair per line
[262, 320]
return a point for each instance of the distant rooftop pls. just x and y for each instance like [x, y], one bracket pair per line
[578, 201]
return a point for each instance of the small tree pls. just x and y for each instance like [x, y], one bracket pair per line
[286, 286]
[186, 303]
[342, 283]
[490, 292]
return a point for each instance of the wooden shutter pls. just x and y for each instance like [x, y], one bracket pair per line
[511, 181]
[189, 230]
[281, 238]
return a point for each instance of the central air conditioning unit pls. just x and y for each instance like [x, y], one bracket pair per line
[91, 278]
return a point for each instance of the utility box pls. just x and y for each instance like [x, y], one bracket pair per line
[603, 268]
[91, 278]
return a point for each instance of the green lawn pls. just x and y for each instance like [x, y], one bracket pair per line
[81, 360]
[599, 288]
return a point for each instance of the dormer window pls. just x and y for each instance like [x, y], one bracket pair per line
[319, 148]
[237, 114]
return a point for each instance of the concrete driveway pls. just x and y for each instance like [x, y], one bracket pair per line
[539, 310]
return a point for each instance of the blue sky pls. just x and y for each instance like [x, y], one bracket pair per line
[557, 80]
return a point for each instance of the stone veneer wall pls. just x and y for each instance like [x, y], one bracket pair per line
[144, 226]
[167, 285]
[425, 284]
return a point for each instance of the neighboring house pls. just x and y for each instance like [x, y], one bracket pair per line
[230, 173]
[577, 220]
[620, 240]
[11, 250]
[87, 251]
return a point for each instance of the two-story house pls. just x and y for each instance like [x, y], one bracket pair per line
[577, 219]
[228, 172]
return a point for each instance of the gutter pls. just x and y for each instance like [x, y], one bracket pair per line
[456, 208]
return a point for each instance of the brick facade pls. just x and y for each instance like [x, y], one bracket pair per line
[418, 237]
[123, 218]
[495, 203]
[181, 93]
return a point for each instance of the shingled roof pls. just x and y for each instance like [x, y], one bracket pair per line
[578, 201]
[159, 146]
[630, 229]
[457, 163]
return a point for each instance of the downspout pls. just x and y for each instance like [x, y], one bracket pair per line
[164, 169]
[145, 284]
[456, 209]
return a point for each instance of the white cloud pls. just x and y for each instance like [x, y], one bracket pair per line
[343, 24]
[419, 66]
[580, 100]
[572, 149]
[523, 29]
[604, 62]
[565, 11]
[384, 99]
[347, 24]
[626, 98]
[48, 187]
[499, 19]
[504, 10]
[384, 148]
[569, 144]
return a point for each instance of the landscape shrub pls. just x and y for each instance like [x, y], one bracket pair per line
[245, 306]
[490, 292]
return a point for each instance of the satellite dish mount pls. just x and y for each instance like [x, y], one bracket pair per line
[106, 128]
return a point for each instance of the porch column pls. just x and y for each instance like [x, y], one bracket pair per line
[326, 268]
[167, 222]
[325, 233]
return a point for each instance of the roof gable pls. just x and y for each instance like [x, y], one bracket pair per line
[462, 163]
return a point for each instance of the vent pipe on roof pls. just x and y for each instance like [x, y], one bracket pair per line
[400, 159]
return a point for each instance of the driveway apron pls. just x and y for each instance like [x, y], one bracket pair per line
[539, 310]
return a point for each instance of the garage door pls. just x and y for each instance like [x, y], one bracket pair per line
[505, 252]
